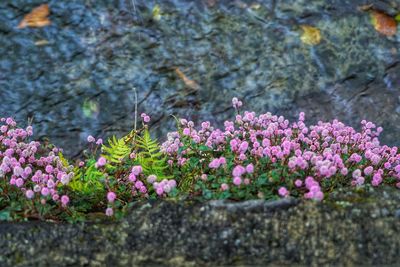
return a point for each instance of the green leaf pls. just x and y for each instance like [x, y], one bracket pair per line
[204, 148]
[5, 215]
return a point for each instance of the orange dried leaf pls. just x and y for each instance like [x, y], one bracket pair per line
[38, 17]
[383, 23]
[188, 82]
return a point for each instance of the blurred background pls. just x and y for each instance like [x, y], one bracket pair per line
[72, 65]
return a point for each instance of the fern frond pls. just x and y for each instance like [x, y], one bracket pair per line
[116, 151]
[63, 160]
[87, 181]
[150, 157]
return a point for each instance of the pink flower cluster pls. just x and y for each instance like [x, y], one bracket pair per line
[91, 139]
[37, 175]
[164, 187]
[216, 163]
[310, 155]
[135, 179]
[140, 184]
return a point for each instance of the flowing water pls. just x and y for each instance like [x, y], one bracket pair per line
[76, 76]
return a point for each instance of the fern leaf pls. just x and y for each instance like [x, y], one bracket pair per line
[152, 160]
[116, 151]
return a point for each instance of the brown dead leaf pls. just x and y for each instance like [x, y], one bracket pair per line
[38, 17]
[383, 23]
[188, 82]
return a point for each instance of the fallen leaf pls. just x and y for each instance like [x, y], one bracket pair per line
[311, 35]
[38, 17]
[383, 23]
[188, 82]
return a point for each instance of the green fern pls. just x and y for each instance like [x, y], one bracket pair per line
[116, 151]
[152, 160]
[87, 181]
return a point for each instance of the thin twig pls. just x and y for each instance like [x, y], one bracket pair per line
[136, 108]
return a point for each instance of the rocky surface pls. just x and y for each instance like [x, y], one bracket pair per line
[75, 77]
[353, 229]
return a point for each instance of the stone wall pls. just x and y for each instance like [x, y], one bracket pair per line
[355, 229]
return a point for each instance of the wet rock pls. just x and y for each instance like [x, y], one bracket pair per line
[348, 230]
[98, 51]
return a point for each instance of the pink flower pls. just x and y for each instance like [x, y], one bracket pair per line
[49, 169]
[138, 184]
[136, 170]
[236, 103]
[318, 196]
[4, 128]
[64, 200]
[238, 171]
[45, 191]
[19, 182]
[172, 183]
[143, 189]
[243, 147]
[111, 196]
[91, 139]
[368, 170]
[214, 164]
[101, 162]
[50, 183]
[298, 183]
[132, 177]
[360, 180]
[283, 192]
[250, 168]
[109, 212]
[222, 161]
[99, 141]
[224, 187]
[237, 180]
[146, 119]
[186, 131]
[151, 179]
[159, 191]
[29, 194]
[356, 173]
[167, 188]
